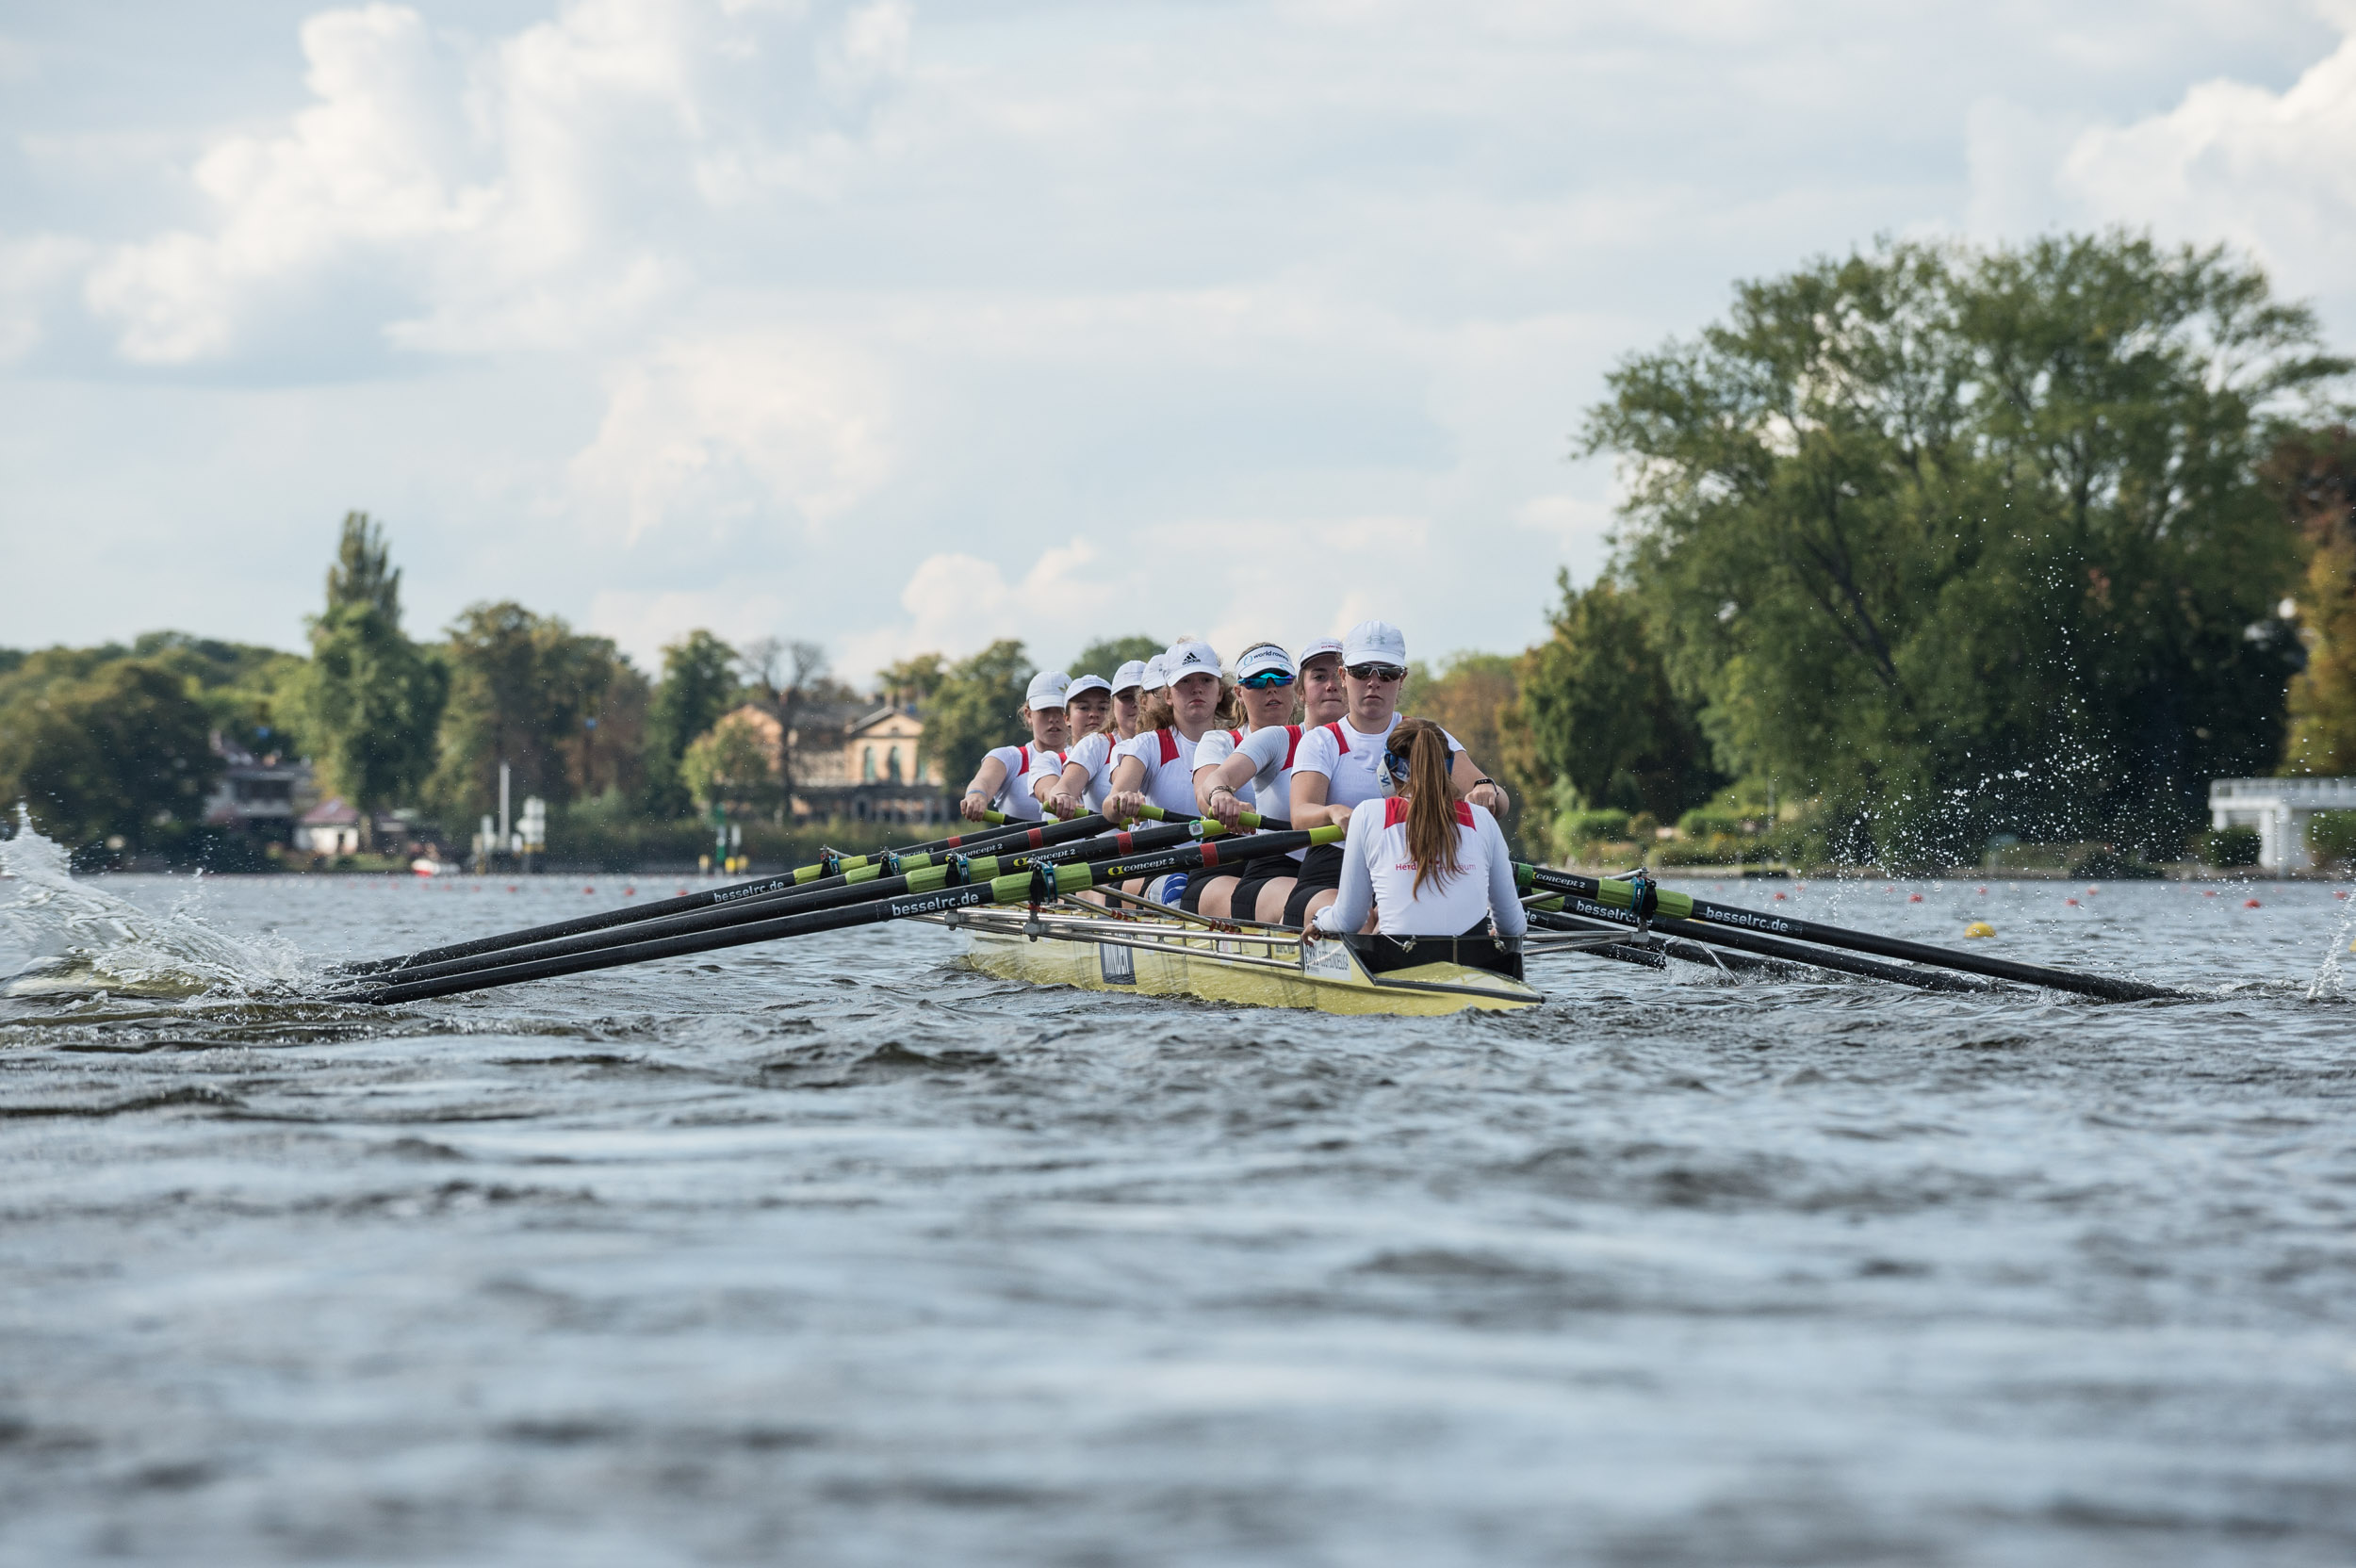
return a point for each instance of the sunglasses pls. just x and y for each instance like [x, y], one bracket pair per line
[1266, 680]
[1377, 672]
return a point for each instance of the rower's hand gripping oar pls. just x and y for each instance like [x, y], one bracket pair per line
[1704, 921]
[1038, 884]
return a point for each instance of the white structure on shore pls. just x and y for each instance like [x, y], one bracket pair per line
[2280, 809]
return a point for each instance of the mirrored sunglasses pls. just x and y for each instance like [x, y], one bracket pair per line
[1266, 679]
[1377, 672]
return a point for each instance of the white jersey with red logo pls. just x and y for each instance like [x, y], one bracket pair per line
[1094, 751]
[1168, 758]
[1014, 797]
[1379, 874]
[1351, 760]
[1216, 746]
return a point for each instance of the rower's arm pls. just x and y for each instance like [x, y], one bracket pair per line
[1121, 799]
[987, 780]
[1230, 776]
[1067, 795]
[1473, 785]
[1308, 802]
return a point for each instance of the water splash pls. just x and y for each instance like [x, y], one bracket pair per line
[84, 940]
[2328, 983]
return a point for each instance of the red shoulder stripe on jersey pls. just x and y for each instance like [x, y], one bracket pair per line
[1394, 811]
[1292, 748]
[1169, 744]
[1336, 728]
[1464, 813]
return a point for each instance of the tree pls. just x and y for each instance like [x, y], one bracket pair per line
[372, 699]
[1956, 540]
[698, 685]
[1107, 654]
[2314, 473]
[912, 681]
[523, 689]
[792, 677]
[1600, 712]
[973, 708]
[123, 753]
[729, 766]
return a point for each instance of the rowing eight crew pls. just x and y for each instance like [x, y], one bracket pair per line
[1172, 731]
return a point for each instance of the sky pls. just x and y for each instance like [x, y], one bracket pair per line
[907, 325]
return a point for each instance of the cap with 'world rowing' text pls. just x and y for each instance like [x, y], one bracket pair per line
[1374, 643]
[1130, 675]
[1047, 689]
[1263, 659]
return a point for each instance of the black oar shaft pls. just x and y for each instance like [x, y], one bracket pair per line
[1775, 955]
[1708, 921]
[800, 879]
[1038, 883]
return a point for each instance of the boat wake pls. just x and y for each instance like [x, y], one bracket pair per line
[73, 941]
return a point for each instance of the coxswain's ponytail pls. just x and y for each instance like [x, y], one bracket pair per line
[1431, 839]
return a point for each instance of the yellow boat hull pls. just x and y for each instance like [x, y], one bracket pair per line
[1147, 958]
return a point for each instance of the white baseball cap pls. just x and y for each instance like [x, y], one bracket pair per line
[1154, 680]
[1084, 684]
[1375, 643]
[1261, 660]
[1047, 689]
[1324, 647]
[1186, 658]
[1130, 674]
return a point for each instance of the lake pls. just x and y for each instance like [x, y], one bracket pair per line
[832, 1252]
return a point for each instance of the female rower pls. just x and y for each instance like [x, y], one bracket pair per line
[1432, 870]
[1340, 764]
[1158, 767]
[1263, 684]
[1087, 777]
[1261, 769]
[999, 784]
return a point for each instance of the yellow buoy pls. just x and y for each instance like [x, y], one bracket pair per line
[1979, 928]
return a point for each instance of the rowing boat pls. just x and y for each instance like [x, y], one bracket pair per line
[1247, 966]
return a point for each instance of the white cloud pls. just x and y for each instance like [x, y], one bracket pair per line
[2274, 173]
[715, 435]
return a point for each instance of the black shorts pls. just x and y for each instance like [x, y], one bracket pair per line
[1190, 900]
[1319, 871]
[1258, 875]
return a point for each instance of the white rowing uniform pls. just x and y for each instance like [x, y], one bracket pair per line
[1168, 758]
[1216, 746]
[1272, 749]
[1351, 760]
[1094, 751]
[1379, 872]
[1014, 797]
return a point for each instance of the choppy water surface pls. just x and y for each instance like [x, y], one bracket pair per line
[832, 1252]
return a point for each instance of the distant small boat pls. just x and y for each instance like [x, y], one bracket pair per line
[425, 865]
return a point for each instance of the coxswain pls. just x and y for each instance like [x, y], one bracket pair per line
[1001, 784]
[1432, 870]
[1261, 770]
[1340, 766]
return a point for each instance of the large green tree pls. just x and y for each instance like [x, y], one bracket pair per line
[973, 708]
[1601, 712]
[523, 689]
[373, 699]
[698, 685]
[1960, 541]
[123, 752]
[2314, 473]
[1107, 654]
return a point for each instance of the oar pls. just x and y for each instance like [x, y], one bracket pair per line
[1722, 923]
[1785, 960]
[857, 887]
[913, 858]
[1038, 884]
